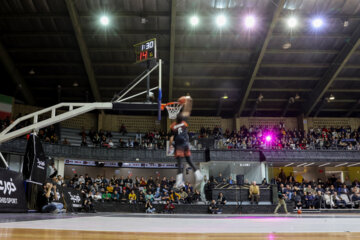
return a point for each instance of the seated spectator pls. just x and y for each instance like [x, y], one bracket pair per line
[169, 207]
[132, 197]
[254, 193]
[309, 200]
[123, 129]
[141, 198]
[48, 199]
[149, 196]
[97, 196]
[214, 208]
[196, 197]
[149, 208]
[115, 196]
[165, 196]
[221, 199]
[318, 200]
[66, 142]
[339, 202]
[296, 198]
[110, 188]
[106, 196]
[183, 195]
[190, 196]
[174, 197]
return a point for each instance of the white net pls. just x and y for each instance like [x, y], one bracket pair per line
[173, 109]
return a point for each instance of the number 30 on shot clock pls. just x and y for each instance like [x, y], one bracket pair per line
[145, 50]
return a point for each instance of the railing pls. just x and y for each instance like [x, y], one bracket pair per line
[144, 155]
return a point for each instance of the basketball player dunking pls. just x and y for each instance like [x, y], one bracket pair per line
[180, 139]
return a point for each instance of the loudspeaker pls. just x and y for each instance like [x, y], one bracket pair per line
[120, 164]
[274, 194]
[207, 155]
[240, 179]
[99, 164]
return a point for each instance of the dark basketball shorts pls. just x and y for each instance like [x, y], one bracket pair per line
[182, 150]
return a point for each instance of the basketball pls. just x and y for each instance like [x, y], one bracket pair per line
[299, 211]
[182, 99]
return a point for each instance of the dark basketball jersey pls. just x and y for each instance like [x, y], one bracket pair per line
[180, 133]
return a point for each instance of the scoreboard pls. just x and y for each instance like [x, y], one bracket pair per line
[145, 50]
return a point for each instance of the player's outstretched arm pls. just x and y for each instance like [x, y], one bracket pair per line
[187, 106]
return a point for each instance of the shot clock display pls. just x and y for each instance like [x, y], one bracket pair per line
[145, 50]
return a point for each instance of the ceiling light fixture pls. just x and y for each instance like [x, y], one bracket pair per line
[225, 96]
[194, 20]
[292, 22]
[287, 165]
[325, 164]
[75, 84]
[331, 97]
[220, 20]
[341, 164]
[104, 20]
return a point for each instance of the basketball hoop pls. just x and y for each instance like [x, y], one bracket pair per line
[173, 109]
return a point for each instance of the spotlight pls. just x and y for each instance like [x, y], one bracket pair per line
[220, 20]
[292, 22]
[346, 23]
[250, 21]
[286, 45]
[194, 20]
[317, 22]
[332, 97]
[225, 96]
[104, 20]
[268, 138]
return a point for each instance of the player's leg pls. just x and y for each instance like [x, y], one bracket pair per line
[179, 177]
[198, 175]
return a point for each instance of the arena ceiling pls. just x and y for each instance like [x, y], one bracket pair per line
[47, 47]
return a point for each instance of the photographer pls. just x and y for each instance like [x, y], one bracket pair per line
[48, 199]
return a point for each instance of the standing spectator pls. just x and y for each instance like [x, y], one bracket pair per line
[254, 193]
[221, 199]
[282, 176]
[282, 202]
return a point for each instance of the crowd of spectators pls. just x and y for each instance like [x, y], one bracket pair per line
[150, 140]
[134, 191]
[280, 138]
[317, 194]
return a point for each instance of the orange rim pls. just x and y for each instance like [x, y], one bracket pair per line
[163, 105]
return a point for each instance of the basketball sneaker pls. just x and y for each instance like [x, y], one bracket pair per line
[179, 181]
[198, 179]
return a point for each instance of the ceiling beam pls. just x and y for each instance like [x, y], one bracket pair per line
[353, 108]
[117, 14]
[83, 49]
[245, 90]
[290, 78]
[15, 75]
[154, 32]
[336, 67]
[172, 48]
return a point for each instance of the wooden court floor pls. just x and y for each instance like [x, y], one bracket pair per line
[42, 234]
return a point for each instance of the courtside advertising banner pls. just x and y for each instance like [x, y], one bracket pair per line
[12, 194]
[35, 165]
[73, 198]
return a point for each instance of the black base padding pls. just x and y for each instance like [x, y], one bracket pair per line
[190, 208]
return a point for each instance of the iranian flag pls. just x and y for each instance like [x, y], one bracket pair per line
[6, 103]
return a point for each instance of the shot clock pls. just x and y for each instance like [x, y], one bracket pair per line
[145, 50]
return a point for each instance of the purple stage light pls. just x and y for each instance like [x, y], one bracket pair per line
[249, 21]
[268, 138]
